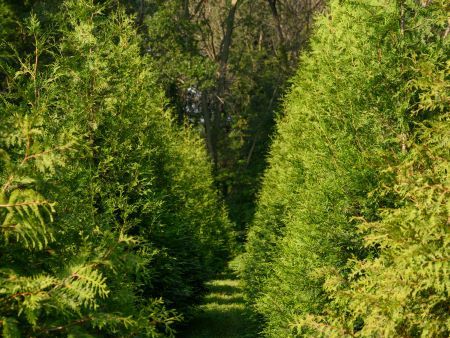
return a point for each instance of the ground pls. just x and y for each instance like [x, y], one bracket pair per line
[223, 313]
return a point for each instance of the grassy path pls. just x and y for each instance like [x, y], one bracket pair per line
[223, 313]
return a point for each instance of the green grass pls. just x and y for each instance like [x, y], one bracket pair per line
[223, 313]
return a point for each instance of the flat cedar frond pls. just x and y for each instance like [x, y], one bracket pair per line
[26, 216]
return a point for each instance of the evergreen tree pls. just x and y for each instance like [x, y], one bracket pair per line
[351, 114]
[105, 206]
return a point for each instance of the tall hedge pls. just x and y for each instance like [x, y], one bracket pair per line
[351, 231]
[109, 221]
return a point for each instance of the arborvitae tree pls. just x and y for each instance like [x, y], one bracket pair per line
[104, 205]
[352, 114]
[402, 291]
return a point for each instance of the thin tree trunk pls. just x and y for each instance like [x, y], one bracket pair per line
[219, 111]
[225, 51]
[141, 14]
[278, 27]
[186, 13]
[208, 127]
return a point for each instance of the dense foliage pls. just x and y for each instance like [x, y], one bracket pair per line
[124, 123]
[108, 217]
[351, 233]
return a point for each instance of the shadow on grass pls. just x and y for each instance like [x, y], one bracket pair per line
[222, 288]
[229, 300]
[223, 313]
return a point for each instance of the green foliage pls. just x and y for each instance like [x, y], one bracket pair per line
[109, 219]
[172, 41]
[376, 68]
[406, 286]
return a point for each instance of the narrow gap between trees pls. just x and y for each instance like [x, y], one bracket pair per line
[223, 312]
